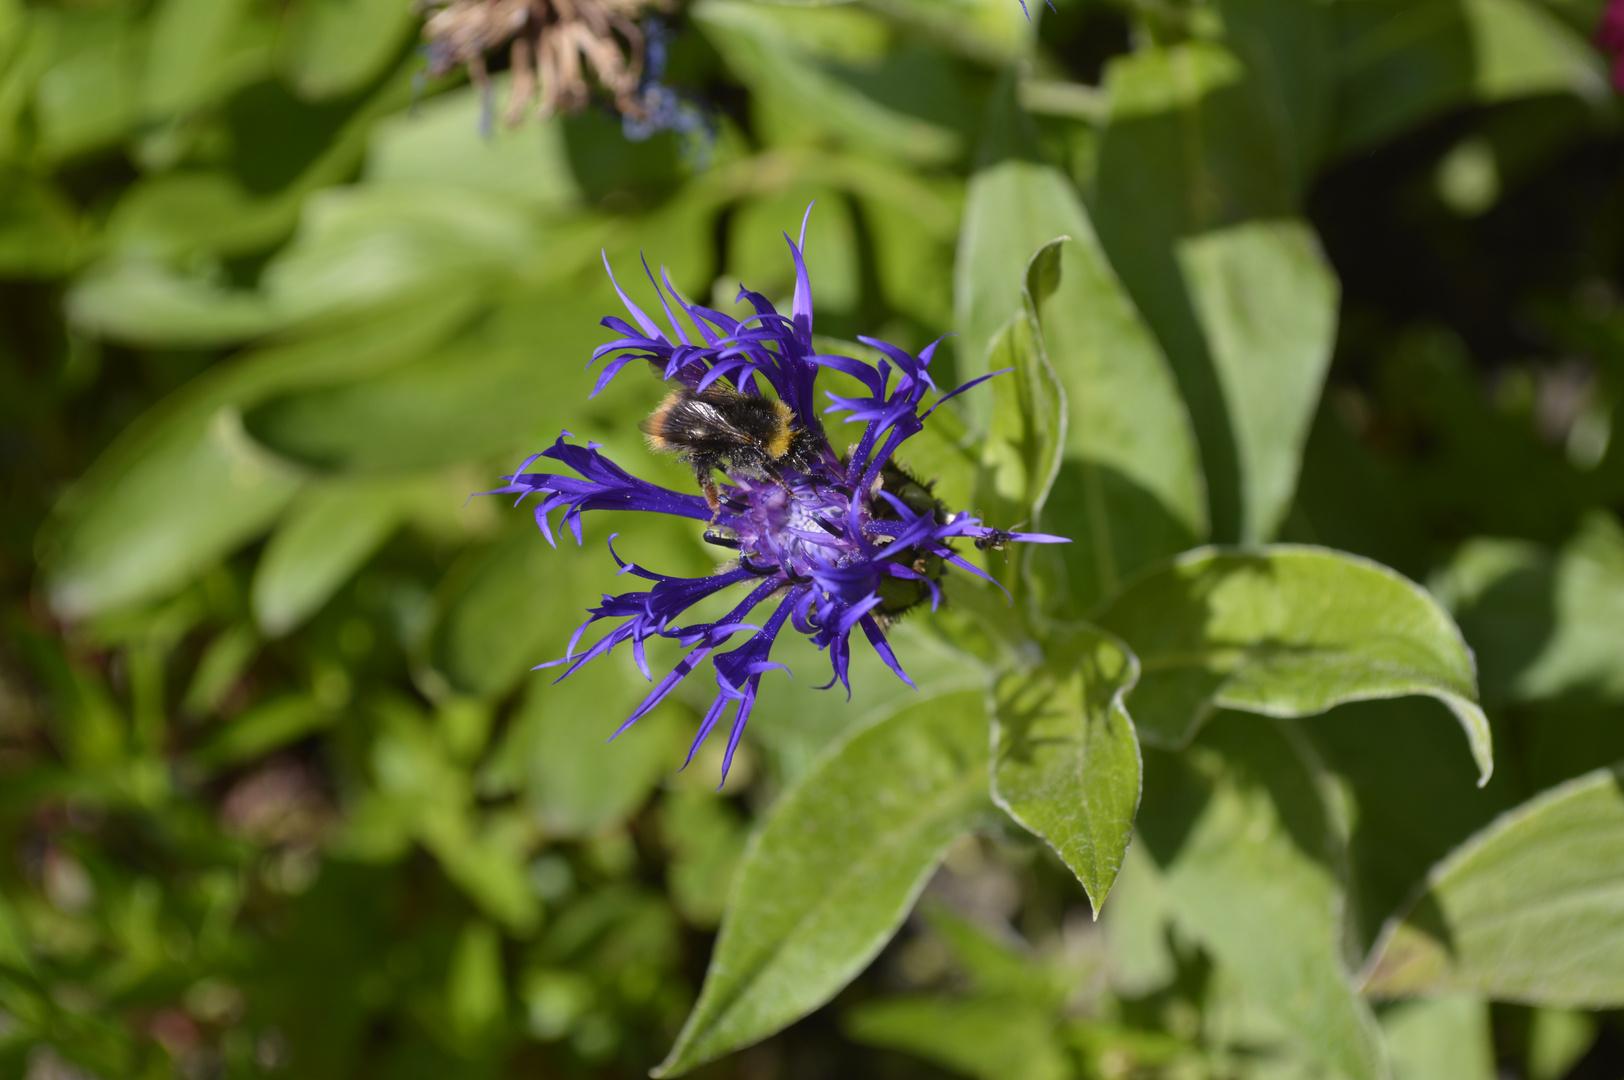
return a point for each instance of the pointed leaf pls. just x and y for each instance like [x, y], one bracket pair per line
[1287, 631]
[835, 869]
[1066, 761]
[1530, 909]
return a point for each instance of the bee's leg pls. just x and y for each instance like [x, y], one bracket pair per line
[703, 464]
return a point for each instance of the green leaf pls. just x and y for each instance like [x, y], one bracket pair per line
[1286, 631]
[705, 838]
[1413, 800]
[184, 484]
[1401, 62]
[1011, 210]
[1249, 856]
[40, 232]
[440, 143]
[201, 493]
[1022, 449]
[987, 1038]
[1557, 1039]
[89, 93]
[502, 606]
[1545, 628]
[558, 757]
[1066, 759]
[1199, 181]
[1267, 303]
[332, 529]
[190, 38]
[1136, 928]
[264, 728]
[1129, 490]
[834, 870]
[1443, 1037]
[333, 47]
[1530, 909]
[828, 69]
[139, 301]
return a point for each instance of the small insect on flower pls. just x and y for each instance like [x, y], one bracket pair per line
[831, 544]
[995, 540]
[719, 427]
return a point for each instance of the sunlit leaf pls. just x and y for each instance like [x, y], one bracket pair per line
[1286, 631]
[1441, 1037]
[1066, 759]
[1011, 210]
[835, 868]
[1028, 425]
[1129, 489]
[1528, 910]
[1196, 204]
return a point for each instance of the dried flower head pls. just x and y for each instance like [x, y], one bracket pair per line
[552, 44]
[831, 543]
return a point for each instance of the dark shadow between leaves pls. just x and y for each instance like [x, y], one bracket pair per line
[1175, 794]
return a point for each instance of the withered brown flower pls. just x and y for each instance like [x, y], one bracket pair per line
[553, 43]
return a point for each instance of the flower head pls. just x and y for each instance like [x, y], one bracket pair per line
[830, 545]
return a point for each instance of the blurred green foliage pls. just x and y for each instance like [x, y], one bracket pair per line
[281, 795]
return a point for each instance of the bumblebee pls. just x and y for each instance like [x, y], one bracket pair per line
[719, 427]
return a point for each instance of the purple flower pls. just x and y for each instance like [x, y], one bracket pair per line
[843, 546]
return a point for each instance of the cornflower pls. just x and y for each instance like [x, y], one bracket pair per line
[846, 544]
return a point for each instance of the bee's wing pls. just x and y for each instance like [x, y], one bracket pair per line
[703, 419]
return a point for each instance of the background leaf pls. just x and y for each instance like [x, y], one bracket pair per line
[1267, 304]
[1527, 910]
[1441, 1037]
[1250, 859]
